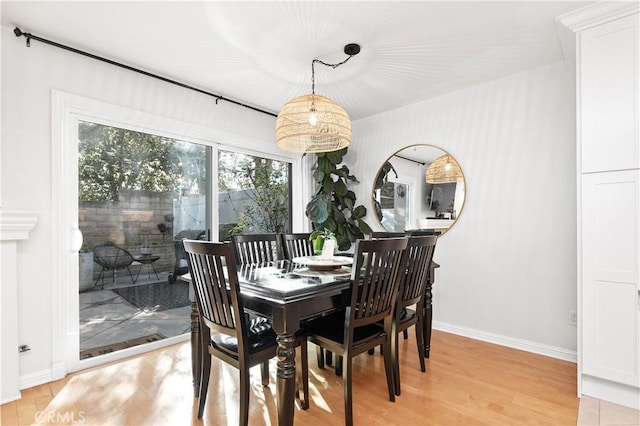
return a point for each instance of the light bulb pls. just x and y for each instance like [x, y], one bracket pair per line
[313, 118]
[447, 166]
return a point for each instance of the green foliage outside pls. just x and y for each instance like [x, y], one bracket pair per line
[266, 183]
[113, 159]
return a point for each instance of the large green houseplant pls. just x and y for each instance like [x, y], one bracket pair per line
[333, 206]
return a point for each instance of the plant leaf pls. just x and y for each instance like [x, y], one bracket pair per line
[359, 212]
[366, 229]
[335, 156]
[341, 188]
[318, 209]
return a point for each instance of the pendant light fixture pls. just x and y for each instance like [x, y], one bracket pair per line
[444, 169]
[314, 123]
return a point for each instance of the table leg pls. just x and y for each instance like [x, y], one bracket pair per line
[286, 372]
[154, 271]
[428, 318]
[196, 354]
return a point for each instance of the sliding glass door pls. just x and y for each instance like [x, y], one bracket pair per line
[138, 195]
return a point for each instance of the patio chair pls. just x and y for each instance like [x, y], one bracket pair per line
[112, 258]
[180, 266]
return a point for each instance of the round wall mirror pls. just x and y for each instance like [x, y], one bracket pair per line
[419, 188]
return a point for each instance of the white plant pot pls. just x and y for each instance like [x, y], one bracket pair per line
[328, 248]
[86, 271]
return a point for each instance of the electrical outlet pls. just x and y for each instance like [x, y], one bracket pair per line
[572, 318]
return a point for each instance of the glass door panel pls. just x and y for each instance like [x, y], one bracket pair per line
[138, 194]
[254, 195]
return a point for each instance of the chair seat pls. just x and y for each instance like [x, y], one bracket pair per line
[331, 327]
[260, 336]
[408, 316]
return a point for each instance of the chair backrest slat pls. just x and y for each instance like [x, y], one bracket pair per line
[297, 245]
[257, 248]
[375, 279]
[419, 256]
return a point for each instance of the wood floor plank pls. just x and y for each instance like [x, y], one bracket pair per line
[467, 382]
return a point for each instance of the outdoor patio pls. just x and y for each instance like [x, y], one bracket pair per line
[108, 321]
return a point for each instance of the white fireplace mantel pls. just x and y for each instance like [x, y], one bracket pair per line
[14, 226]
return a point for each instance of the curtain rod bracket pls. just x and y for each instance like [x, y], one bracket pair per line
[18, 32]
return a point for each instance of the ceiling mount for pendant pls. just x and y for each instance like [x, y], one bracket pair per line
[314, 123]
[352, 49]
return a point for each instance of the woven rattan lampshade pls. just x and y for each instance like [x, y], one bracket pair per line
[298, 131]
[444, 169]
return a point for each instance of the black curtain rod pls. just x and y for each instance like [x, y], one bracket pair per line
[18, 32]
[409, 159]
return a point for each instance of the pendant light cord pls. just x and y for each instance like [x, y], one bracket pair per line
[313, 71]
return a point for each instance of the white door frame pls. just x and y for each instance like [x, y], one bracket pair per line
[67, 111]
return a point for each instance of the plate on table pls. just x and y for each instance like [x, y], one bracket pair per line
[318, 263]
[341, 271]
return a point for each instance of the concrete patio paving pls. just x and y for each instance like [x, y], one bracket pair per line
[107, 318]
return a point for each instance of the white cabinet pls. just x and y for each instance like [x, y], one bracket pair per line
[608, 95]
[610, 265]
[609, 98]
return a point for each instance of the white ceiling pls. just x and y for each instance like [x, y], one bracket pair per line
[260, 53]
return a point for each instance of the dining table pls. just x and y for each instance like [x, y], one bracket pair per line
[287, 293]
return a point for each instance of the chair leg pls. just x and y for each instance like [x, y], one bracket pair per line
[346, 380]
[264, 369]
[395, 359]
[320, 356]
[328, 359]
[420, 340]
[339, 363]
[405, 334]
[388, 368]
[244, 396]
[204, 382]
[302, 375]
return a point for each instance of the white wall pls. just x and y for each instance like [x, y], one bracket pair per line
[508, 267]
[28, 76]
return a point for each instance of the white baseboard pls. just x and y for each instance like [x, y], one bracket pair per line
[511, 342]
[14, 397]
[617, 393]
[56, 372]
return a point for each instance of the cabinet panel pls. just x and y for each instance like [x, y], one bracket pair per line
[610, 270]
[609, 95]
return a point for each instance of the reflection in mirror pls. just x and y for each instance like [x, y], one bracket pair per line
[420, 187]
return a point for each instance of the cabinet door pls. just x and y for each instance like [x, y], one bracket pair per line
[609, 99]
[610, 261]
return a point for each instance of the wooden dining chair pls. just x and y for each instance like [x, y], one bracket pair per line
[257, 248]
[384, 234]
[226, 331]
[297, 245]
[374, 288]
[413, 285]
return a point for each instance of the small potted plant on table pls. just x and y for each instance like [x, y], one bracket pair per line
[324, 242]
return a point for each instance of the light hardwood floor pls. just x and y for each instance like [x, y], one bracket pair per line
[467, 382]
